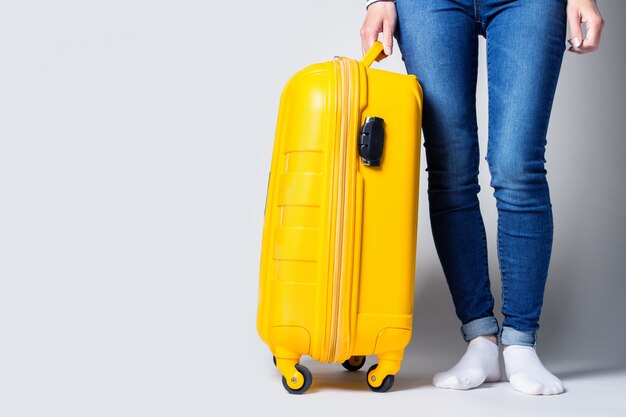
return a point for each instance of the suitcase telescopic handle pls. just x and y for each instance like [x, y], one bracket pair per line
[375, 53]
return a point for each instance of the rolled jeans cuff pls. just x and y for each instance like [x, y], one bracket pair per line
[480, 327]
[510, 336]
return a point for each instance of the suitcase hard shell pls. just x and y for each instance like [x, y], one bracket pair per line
[339, 237]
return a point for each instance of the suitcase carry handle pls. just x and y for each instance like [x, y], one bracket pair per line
[375, 53]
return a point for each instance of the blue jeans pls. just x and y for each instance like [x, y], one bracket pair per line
[525, 44]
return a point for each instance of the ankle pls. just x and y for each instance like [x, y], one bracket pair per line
[504, 347]
[490, 337]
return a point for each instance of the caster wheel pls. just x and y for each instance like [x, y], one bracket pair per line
[308, 379]
[385, 386]
[354, 363]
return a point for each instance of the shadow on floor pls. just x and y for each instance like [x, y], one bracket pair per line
[335, 377]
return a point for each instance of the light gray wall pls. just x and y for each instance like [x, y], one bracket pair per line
[135, 141]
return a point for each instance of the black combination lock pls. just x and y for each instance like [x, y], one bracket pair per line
[371, 140]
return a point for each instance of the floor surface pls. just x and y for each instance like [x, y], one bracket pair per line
[589, 392]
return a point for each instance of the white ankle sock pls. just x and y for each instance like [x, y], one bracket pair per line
[478, 364]
[527, 374]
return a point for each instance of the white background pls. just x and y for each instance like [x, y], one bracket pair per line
[135, 143]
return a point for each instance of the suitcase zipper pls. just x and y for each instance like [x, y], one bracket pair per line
[336, 324]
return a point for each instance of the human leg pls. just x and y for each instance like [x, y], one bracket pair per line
[439, 43]
[525, 44]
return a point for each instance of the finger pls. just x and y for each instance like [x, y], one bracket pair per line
[576, 33]
[363, 39]
[362, 33]
[368, 36]
[369, 41]
[594, 29]
[388, 29]
[574, 50]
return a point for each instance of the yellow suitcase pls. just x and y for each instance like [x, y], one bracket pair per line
[339, 237]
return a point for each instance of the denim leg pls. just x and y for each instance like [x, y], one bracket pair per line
[480, 327]
[525, 45]
[439, 43]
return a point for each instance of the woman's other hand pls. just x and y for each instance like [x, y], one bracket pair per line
[380, 17]
[579, 12]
